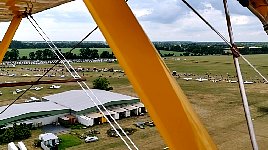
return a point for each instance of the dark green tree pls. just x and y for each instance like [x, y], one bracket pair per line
[94, 54]
[101, 83]
[21, 131]
[32, 55]
[14, 54]
[26, 132]
[8, 135]
[39, 55]
[24, 58]
[85, 53]
[48, 54]
[7, 56]
[105, 54]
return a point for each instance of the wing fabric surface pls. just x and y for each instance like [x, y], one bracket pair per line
[9, 8]
[258, 8]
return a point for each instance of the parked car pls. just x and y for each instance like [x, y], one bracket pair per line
[91, 139]
[140, 125]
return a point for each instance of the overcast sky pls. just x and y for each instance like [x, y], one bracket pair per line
[162, 20]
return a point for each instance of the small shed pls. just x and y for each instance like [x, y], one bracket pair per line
[86, 121]
[49, 141]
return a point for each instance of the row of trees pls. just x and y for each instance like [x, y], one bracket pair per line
[254, 50]
[210, 48]
[187, 49]
[47, 54]
[62, 44]
[17, 132]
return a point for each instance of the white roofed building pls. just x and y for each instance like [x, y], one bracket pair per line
[75, 102]
[36, 112]
[79, 102]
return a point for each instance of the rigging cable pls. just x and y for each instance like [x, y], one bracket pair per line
[240, 80]
[47, 71]
[236, 54]
[204, 20]
[73, 76]
[224, 39]
[66, 64]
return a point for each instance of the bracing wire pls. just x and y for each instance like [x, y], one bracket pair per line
[65, 62]
[75, 75]
[206, 22]
[266, 81]
[232, 46]
[241, 83]
[223, 38]
[112, 118]
[75, 46]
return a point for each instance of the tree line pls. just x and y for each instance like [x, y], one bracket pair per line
[88, 50]
[209, 48]
[47, 54]
[62, 44]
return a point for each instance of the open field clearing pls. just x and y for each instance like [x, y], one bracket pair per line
[218, 104]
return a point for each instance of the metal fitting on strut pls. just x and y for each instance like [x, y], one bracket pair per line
[235, 51]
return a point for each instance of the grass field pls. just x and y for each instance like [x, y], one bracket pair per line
[218, 104]
[25, 52]
[68, 140]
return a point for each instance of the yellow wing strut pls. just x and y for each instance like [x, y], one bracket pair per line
[150, 77]
[9, 35]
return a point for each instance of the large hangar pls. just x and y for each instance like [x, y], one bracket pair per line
[41, 113]
[80, 103]
[74, 102]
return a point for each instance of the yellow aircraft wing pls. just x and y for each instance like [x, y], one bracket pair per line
[258, 8]
[10, 7]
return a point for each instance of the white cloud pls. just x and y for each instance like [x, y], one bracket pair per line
[142, 12]
[161, 19]
[240, 20]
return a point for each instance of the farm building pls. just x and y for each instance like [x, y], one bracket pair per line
[76, 103]
[39, 113]
[84, 109]
[49, 141]
[80, 103]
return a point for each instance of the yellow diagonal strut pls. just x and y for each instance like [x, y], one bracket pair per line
[150, 77]
[9, 35]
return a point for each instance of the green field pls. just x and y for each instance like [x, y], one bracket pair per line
[25, 52]
[68, 141]
[217, 104]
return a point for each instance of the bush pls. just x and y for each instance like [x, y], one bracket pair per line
[8, 136]
[17, 132]
[77, 126]
[102, 84]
